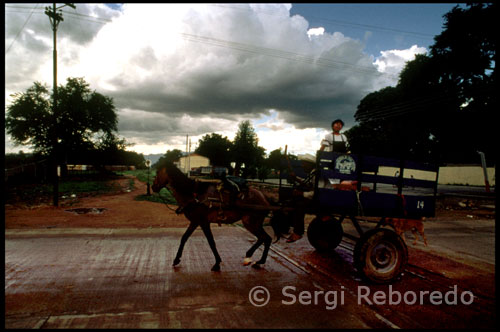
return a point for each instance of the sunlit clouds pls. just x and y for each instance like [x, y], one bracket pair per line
[193, 69]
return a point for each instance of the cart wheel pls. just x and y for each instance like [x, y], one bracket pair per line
[380, 255]
[325, 235]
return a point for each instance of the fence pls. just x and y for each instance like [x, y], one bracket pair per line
[37, 170]
[40, 170]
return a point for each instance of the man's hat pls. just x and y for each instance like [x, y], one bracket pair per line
[338, 120]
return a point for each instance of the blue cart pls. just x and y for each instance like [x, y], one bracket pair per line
[356, 186]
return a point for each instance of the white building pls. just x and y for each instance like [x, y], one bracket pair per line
[192, 161]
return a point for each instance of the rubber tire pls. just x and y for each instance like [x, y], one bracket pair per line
[380, 255]
[325, 235]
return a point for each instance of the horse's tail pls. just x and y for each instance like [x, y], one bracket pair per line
[280, 224]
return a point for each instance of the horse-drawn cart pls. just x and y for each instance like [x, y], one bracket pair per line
[356, 187]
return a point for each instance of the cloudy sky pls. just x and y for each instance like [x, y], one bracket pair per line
[194, 69]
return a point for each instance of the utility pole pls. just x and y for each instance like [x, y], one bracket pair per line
[189, 159]
[485, 171]
[55, 17]
[187, 154]
[148, 165]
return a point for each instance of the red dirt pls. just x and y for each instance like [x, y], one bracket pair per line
[118, 212]
[123, 211]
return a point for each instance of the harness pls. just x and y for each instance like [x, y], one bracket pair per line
[206, 199]
[180, 209]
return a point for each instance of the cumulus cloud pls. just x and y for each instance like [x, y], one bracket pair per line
[173, 69]
[392, 61]
[315, 32]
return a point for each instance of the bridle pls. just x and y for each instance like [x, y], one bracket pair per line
[161, 197]
[180, 209]
[165, 201]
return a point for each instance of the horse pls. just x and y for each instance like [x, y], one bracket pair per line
[193, 199]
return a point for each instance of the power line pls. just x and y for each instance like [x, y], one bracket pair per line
[102, 20]
[90, 18]
[414, 34]
[353, 24]
[320, 61]
[340, 22]
[22, 28]
[382, 111]
[411, 106]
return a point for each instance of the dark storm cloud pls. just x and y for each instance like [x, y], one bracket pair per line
[162, 63]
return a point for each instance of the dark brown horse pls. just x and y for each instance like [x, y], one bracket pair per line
[193, 199]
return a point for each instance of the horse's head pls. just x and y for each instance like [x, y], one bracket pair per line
[161, 180]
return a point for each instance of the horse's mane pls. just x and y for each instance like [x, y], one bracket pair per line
[182, 184]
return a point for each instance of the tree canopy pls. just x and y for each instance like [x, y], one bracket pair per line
[216, 148]
[243, 150]
[246, 150]
[442, 108]
[83, 119]
[169, 157]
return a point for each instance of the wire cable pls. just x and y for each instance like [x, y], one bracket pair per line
[353, 24]
[320, 61]
[22, 28]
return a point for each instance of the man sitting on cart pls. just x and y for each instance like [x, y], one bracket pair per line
[333, 142]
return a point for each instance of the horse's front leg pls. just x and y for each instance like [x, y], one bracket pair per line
[205, 226]
[192, 226]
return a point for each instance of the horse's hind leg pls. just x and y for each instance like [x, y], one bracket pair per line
[249, 253]
[187, 234]
[210, 238]
[262, 237]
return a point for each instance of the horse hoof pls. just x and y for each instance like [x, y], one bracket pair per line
[247, 261]
[176, 262]
[216, 268]
[257, 266]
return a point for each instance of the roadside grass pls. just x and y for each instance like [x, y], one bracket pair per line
[78, 187]
[163, 197]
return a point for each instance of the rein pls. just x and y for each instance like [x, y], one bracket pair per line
[195, 200]
[207, 201]
[180, 209]
[165, 201]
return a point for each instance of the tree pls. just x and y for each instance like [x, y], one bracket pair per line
[132, 158]
[84, 118]
[169, 156]
[263, 172]
[443, 105]
[112, 151]
[246, 150]
[466, 54]
[398, 121]
[216, 148]
[29, 118]
[273, 161]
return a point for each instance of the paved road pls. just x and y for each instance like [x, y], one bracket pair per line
[443, 189]
[88, 278]
[478, 191]
[124, 280]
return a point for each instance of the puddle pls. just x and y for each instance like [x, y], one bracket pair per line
[87, 210]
